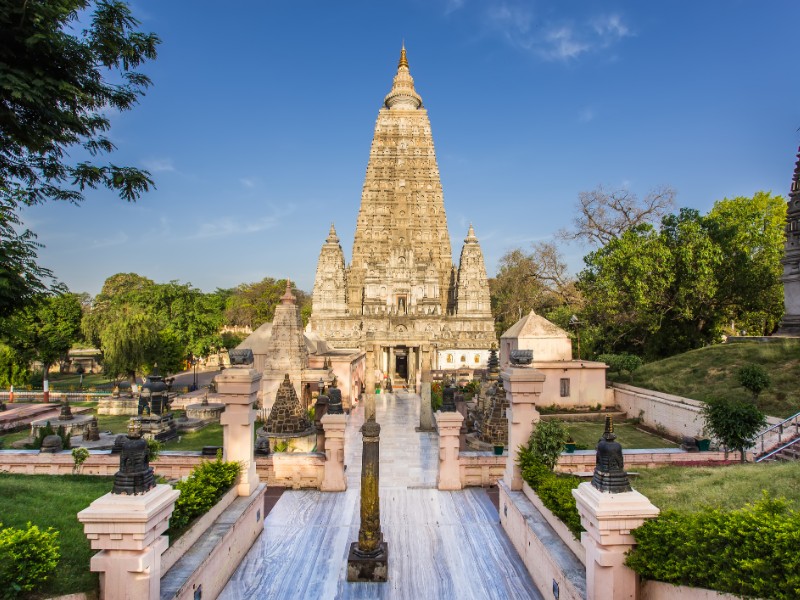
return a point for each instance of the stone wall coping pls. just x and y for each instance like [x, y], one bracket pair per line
[557, 524]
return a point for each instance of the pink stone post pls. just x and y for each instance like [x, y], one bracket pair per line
[523, 387]
[333, 479]
[127, 531]
[238, 389]
[608, 519]
[449, 426]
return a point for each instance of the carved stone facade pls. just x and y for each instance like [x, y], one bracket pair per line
[790, 324]
[402, 299]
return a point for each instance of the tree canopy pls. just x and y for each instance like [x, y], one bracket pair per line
[63, 64]
[253, 304]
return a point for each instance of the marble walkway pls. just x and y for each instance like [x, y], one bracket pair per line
[441, 544]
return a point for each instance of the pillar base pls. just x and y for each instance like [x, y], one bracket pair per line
[368, 569]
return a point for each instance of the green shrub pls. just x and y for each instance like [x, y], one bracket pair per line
[621, 362]
[746, 552]
[754, 378]
[554, 490]
[79, 456]
[27, 557]
[153, 450]
[547, 441]
[42, 433]
[733, 422]
[437, 397]
[204, 487]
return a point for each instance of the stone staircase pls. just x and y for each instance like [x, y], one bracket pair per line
[783, 436]
[786, 452]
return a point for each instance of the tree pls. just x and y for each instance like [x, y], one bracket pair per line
[57, 77]
[734, 423]
[253, 304]
[45, 330]
[531, 281]
[754, 378]
[547, 441]
[603, 216]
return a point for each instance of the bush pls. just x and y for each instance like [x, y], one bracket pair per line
[621, 362]
[547, 441]
[746, 552]
[754, 378]
[436, 396]
[204, 487]
[27, 557]
[555, 491]
[153, 450]
[733, 422]
[79, 456]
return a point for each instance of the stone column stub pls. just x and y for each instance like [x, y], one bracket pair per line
[523, 386]
[333, 479]
[238, 390]
[449, 426]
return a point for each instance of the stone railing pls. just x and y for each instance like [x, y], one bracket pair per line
[583, 461]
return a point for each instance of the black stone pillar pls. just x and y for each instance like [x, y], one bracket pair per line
[369, 556]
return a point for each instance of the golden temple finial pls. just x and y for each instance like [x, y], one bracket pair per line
[403, 60]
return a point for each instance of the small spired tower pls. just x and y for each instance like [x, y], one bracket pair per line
[473, 286]
[790, 324]
[330, 283]
[288, 421]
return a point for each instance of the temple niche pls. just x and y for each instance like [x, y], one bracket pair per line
[401, 299]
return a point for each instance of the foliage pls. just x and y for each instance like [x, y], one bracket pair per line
[746, 552]
[621, 362]
[547, 440]
[44, 330]
[282, 446]
[659, 292]
[27, 558]
[473, 386]
[554, 490]
[253, 304]
[733, 422]
[13, 369]
[603, 216]
[531, 281]
[754, 378]
[79, 456]
[138, 323]
[153, 450]
[59, 80]
[202, 489]
[61, 432]
[437, 396]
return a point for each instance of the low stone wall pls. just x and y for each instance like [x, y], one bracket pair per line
[557, 524]
[550, 562]
[480, 469]
[291, 470]
[583, 461]
[658, 590]
[677, 415]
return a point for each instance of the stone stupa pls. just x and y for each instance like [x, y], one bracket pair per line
[288, 422]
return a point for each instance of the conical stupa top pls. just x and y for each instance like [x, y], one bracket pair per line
[332, 237]
[288, 297]
[403, 96]
[471, 237]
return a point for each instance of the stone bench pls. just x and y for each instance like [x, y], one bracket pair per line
[210, 561]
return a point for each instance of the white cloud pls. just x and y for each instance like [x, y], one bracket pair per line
[451, 6]
[248, 182]
[554, 39]
[158, 165]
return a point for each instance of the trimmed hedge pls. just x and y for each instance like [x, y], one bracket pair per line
[554, 490]
[752, 551]
[202, 489]
[27, 558]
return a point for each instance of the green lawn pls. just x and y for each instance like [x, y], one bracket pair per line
[710, 372]
[210, 435]
[49, 501]
[587, 433]
[730, 487]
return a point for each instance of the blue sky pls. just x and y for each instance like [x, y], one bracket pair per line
[258, 126]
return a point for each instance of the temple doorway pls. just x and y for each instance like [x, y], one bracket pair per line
[401, 363]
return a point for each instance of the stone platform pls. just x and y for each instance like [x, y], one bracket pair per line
[442, 544]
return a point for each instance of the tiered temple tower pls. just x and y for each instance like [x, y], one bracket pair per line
[402, 299]
[790, 324]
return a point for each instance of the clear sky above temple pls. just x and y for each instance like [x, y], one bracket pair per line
[258, 127]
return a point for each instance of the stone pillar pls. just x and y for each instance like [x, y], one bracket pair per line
[368, 559]
[523, 386]
[392, 364]
[333, 479]
[127, 530]
[608, 519]
[370, 364]
[237, 388]
[449, 426]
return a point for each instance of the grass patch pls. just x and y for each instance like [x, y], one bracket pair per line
[587, 433]
[730, 487]
[54, 501]
[210, 435]
[710, 373]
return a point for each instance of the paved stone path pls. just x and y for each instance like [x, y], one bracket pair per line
[441, 544]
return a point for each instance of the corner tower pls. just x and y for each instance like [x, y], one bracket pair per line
[402, 299]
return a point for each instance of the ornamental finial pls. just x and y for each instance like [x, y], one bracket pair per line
[403, 59]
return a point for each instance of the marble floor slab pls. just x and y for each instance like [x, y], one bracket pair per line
[441, 544]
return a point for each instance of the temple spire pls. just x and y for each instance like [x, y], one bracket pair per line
[403, 59]
[403, 96]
